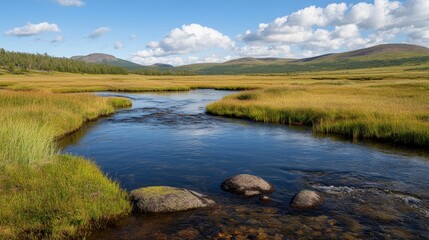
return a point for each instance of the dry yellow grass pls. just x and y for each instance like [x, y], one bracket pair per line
[63, 82]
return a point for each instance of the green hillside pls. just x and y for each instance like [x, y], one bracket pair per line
[18, 63]
[387, 55]
[378, 56]
[101, 58]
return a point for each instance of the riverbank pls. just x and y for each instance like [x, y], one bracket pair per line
[382, 111]
[44, 194]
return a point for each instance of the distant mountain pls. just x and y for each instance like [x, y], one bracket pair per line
[377, 56]
[380, 52]
[19, 63]
[161, 65]
[107, 59]
[250, 60]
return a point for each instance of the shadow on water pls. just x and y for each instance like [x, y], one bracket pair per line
[371, 190]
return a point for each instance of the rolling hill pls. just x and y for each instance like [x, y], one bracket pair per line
[101, 58]
[378, 56]
[416, 57]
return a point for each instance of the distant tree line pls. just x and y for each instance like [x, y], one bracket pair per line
[16, 62]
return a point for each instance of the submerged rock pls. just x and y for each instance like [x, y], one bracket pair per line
[265, 198]
[306, 200]
[247, 185]
[163, 199]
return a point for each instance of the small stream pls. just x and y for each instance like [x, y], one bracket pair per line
[371, 191]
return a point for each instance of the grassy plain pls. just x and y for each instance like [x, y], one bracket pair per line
[44, 194]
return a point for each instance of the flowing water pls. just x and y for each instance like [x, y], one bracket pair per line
[371, 191]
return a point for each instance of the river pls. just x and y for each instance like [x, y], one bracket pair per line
[370, 190]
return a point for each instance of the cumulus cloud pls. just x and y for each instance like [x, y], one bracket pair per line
[70, 3]
[338, 25]
[180, 60]
[33, 29]
[133, 37]
[99, 32]
[264, 51]
[304, 33]
[118, 45]
[188, 39]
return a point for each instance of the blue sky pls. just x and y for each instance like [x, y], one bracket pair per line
[188, 31]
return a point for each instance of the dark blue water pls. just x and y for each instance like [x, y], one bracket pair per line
[167, 139]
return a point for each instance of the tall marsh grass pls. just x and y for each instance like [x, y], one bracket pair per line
[25, 143]
[396, 113]
[44, 195]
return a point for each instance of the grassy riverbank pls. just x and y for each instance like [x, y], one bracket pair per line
[44, 194]
[386, 111]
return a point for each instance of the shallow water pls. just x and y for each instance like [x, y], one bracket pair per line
[167, 139]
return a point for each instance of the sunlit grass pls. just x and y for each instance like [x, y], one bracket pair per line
[44, 194]
[378, 110]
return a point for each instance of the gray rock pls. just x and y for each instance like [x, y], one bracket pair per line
[247, 185]
[163, 199]
[265, 198]
[306, 200]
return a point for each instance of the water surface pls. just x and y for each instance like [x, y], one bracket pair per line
[167, 139]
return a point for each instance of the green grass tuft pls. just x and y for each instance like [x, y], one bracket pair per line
[44, 194]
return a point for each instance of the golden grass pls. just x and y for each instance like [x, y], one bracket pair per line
[63, 82]
[388, 111]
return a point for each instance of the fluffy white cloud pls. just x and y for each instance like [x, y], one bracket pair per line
[187, 39]
[303, 33]
[118, 45]
[69, 3]
[337, 26]
[180, 60]
[33, 29]
[99, 32]
[264, 51]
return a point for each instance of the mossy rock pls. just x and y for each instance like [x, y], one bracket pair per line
[164, 199]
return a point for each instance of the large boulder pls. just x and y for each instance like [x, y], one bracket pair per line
[247, 185]
[306, 200]
[163, 199]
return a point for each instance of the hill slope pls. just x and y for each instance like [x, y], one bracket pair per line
[18, 63]
[379, 52]
[101, 58]
[377, 56]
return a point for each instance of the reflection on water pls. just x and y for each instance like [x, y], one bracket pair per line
[371, 191]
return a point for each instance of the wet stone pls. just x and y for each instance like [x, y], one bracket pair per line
[307, 200]
[247, 185]
[164, 199]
